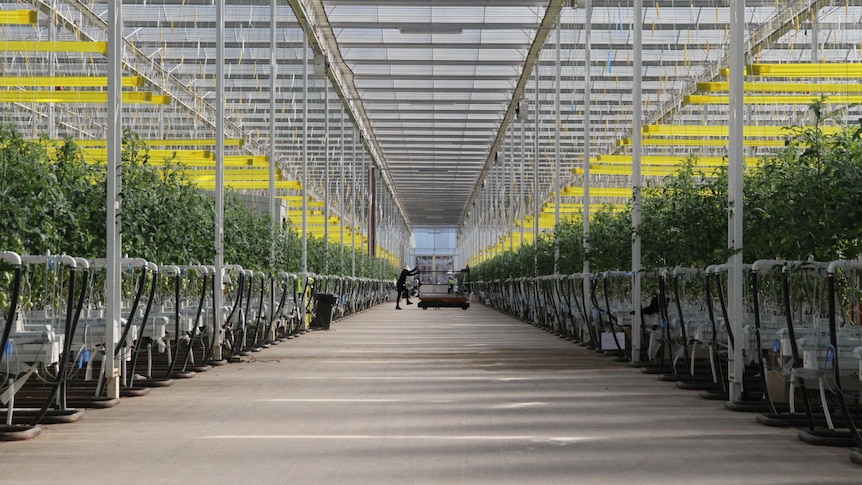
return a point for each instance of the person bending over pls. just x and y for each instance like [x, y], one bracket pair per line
[401, 286]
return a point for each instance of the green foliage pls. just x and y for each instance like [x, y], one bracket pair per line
[247, 237]
[84, 186]
[165, 219]
[52, 201]
[570, 233]
[684, 220]
[544, 257]
[610, 240]
[803, 202]
[32, 201]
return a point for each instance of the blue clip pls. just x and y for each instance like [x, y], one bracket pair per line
[9, 350]
[830, 355]
[776, 346]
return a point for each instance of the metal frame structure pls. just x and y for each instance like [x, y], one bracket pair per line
[433, 94]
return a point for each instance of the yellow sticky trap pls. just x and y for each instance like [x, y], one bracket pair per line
[85, 97]
[18, 17]
[789, 99]
[67, 81]
[53, 46]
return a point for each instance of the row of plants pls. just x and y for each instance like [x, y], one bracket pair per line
[801, 203]
[53, 202]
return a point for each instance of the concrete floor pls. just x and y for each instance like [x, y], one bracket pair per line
[423, 397]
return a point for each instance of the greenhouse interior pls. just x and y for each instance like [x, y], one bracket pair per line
[675, 184]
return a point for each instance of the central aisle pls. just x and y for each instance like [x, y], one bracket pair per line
[424, 397]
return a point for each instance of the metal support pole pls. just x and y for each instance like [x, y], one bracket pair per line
[113, 281]
[303, 267]
[588, 12]
[353, 224]
[557, 187]
[637, 114]
[273, 75]
[735, 153]
[536, 198]
[372, 220]
[326, 162]
[522, 206]
[218, 297]
[512, 211]
[342, 191]
[52, 60]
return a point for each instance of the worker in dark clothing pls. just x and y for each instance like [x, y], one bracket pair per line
[401, 286]
[653, 306]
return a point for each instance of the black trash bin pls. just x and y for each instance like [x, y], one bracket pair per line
[325, 303]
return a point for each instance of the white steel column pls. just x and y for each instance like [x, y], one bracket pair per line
[353, 208]
[557, 153]
[370, 199]
[734, 193]
[52, 60]
[522, 207]
[303, 267]
[637, 126]
[218, 297]
[325, 177]
[113, 283]
[536, 201]
[341, 194]
[512, 212]
[588, 16]
[273, 74]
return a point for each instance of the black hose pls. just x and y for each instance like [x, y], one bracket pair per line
[558, 308]
[716, 354]
[581, 303]
[296, 322]
[664, 319]
[568, 300]
[682, 329]
[233, 311]
[308, 291]
[176, 347]
[242, 343]
[153, 285]
[58, 389]
[559, 301]
[836, 374]
[794, 349]
[720, 288]
[254, 340]
[215, 330]
[238, 299]
[269, 321]
[757, 329]
[574, 298]
[13, 309]
[282, 302]
[595, 336]
[197, 318]
[612, 319]
[80, 307]
[141, 282]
